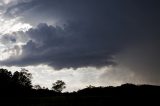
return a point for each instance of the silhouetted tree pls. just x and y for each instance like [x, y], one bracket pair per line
[13, 89]
[45, 88]
[5, 78]
[37, 87]
[58, 86]
[22, 79]
[90, 86]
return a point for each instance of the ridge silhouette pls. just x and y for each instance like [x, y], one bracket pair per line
[17, 89]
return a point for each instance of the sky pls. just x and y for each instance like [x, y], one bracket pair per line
[82, 42]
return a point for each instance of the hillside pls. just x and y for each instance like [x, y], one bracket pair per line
[16, 90]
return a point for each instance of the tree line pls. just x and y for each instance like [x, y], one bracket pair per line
[16, 88]
[22, 81]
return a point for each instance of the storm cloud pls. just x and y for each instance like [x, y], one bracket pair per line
[90, 33]
[67, 47]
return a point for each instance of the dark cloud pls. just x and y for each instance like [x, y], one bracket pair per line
[64, 47]
[93, 33]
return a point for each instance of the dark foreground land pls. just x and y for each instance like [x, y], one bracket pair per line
[127, 94]
[16, 90]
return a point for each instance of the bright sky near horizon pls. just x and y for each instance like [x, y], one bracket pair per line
[82, 42]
